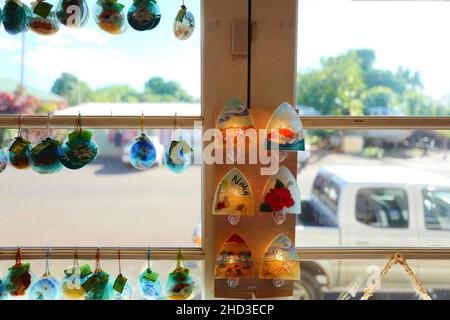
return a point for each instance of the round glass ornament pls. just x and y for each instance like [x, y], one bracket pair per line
[46, 288]
[110, 16]
[43, 21]
[144, 15]
[45, 156]
[98, 286]
[142, 153]
[19, 153]
[177, 157]
[15, 17]
[180, 284]
[4, 294]
[184, 24]
[149, 285]
[127, 293]
[3, 160]
[18, 279]
[73, 13]
[78, 150]
[71, 283]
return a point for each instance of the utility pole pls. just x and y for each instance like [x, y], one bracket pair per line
[21, 88]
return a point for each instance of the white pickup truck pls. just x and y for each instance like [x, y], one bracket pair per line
[372, 206]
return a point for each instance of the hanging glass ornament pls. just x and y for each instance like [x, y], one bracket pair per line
[144, 15]
[73, 13]
[15, 17]
[4, 294]
[98, 285]
[19, 151]
[43, 20]
[3, 160]
[79, 149]
[74, 277]
[180, 284]
[184, 24]
[121, 287]
[178, 157]
[110, 16]
[19, 277]
[148, 282]
[47, 287]
[142, 152]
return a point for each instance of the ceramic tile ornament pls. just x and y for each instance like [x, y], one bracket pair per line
[47, 287]
[148, 282]
[180, 284]
[18, 278]
[233, 197]
[280, 261]
[234, 120]
[234, 261]
[281, 195]
[110, 16]
[285, 130]
[184, 24]
[15, 17]
[73, 14]
[144, 15]
[43, 20]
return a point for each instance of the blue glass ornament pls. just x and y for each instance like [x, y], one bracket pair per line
[149, 285]
[126, 294]
[45, 156]
[98, 286]
[142, 153]
[3, 160]
[73, 13]
[15, 17]
[78, 150]
[177, 157]
[46, 288]
[144, 15]
[4, 294]
[19, 153]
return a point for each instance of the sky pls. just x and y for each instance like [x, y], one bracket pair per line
[412, 34]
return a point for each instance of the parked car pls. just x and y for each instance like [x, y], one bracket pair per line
[158, 146]
[365, 206]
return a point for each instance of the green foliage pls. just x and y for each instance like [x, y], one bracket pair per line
[117, 93]
[71, 88]
[157, 89]
[379, 97]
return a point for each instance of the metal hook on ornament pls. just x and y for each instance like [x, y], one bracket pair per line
[233, 282]
[234, 219]
[278, 283]
[279, 217]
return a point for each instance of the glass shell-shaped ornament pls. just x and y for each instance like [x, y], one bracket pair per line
[3, 160]
[149, 285]
[180, 284]
[73, 13]
[19, 153]
[78, 150]
[110, 16]
[18, 279]
[15, 17]
[46, 288]
[184, 24]
[98, 286]
[281, 195]
[142, 153]
[43, 21]
[45, 156]
[177, 158]
[144, 15]
[4, 294]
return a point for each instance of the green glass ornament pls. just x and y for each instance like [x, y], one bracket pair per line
[78, 150]
[15, 17]
[44, 156]
[19, 153]
[144, 15]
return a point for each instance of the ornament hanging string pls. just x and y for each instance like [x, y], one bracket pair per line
[75, 258]
[97, 260]
[18, 258]
[142, 122]
[47, 128]
[179, 258]
[397, 259]
[19, 129]
[149, 255]
[47, 257]
[78, 125]
[174, 126]
[118, 258]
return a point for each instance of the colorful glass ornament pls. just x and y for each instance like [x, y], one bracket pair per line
[110, 16]
[43, 20]
[177, 157]
[234, 261]
[184, 24]
[79, 149]
[148, 282]
[98, 285]
[285, 130]
[19, 277]
[73, 13]
[234, 120]
[15, 17]
[142, 152]
[47, 287]
[19, 153]
[74, 277]
[3, 160]
[180, 284]
[280, 261]
[4, 294]
[121, 287]
[144, 15]
[233, 197]
[281, 195]
[45, 156]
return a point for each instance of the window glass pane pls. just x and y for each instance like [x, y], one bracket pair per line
[436, 204]
[385, 208]
[367, 66]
